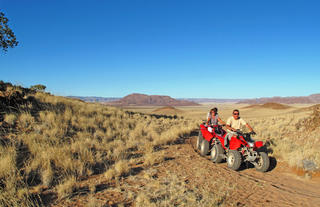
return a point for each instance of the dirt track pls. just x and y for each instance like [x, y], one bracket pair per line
[277, 187]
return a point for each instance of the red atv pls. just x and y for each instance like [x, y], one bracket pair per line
[242, 148]
[206, 137]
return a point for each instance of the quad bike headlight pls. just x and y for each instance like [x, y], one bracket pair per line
[251, 144]
[210, 129]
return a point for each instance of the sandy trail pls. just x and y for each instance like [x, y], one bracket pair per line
[277, 187]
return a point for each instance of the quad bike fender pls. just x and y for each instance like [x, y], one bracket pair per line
[221, 139]
[205, 133]
[258, 144]
[260, 147]
[234, 143]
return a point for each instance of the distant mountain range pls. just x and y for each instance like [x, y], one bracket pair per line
[137, 99]
[142, 99]
[211, 100]
[94, 98]
[314, 98]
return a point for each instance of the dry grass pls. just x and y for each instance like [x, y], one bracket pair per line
[294, 137]
[67, 187]
[54, 141]
[172, 190]
[10, 118]
[93, 202]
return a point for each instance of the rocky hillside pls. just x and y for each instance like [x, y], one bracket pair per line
[137, 99]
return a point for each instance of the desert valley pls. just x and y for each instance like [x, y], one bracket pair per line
[58, 151]
[137, 103]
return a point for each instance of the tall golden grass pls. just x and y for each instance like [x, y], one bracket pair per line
[293, 137]
[53, 142]
[50, 142]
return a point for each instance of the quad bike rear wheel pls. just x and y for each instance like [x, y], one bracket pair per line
[263, 162]
[234, 159]
[216, 153]
[199, 140]
[204, 147]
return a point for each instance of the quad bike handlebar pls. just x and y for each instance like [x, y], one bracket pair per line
[238, 131]
[246, 136]
[253, 133]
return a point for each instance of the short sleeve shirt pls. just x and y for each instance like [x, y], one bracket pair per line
[237, 124]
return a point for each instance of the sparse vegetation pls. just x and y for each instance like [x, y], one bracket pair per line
[293, 137]
[50, 143]
[38, 87]
[173, 191]
[53, 142]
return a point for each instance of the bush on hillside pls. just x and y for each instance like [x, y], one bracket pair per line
[38, 87]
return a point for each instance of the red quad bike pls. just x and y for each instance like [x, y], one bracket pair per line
[206, 137]
[241, 148]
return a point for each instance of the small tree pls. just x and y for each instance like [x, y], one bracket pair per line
[38, 87]
[7, 37]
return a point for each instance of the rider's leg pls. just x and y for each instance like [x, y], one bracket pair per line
[227, 138]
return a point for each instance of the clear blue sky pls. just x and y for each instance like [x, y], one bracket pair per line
[180, 48]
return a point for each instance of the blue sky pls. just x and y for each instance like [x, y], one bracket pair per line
[180, 48]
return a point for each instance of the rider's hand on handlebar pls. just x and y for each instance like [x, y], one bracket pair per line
[253, 132]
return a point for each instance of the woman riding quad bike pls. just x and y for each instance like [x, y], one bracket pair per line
[241, 148]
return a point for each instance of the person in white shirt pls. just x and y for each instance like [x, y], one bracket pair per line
[213, 117]
[234, 123]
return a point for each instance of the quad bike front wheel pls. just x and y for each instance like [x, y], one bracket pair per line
[199, 140]
[234, 159]
[263, 162]
[216, 153]
[204, 147]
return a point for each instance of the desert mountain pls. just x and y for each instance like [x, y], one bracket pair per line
[314, 98]
[210, 100]
[137, 99]
[268, 106]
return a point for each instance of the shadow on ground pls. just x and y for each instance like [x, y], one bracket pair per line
[248, 165]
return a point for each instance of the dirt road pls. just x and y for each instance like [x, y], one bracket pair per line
[247, 187]
[278, 187]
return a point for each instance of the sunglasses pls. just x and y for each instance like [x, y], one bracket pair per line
[235, 113]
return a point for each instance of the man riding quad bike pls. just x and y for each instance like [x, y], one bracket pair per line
[241, 148]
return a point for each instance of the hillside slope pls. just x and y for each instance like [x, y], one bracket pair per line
[48, 144]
